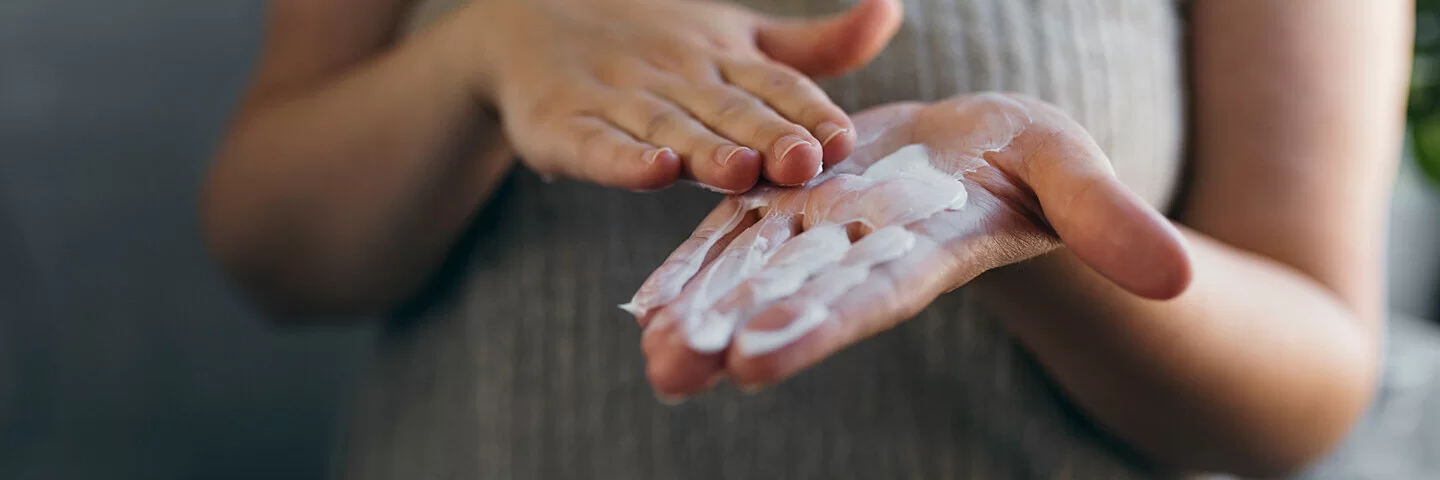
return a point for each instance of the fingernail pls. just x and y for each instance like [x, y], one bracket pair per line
[655, 154]
[828, 131]
[788, 144]
[725, 153]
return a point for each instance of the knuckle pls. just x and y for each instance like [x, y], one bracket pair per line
[734, 106]
[774, 129]
[611, 72]
[669, 58]
[781, 80]
[661, 120]
[549, 106]
[592, 141]
[701, 71]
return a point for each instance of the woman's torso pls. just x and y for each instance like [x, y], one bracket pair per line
[520, 366]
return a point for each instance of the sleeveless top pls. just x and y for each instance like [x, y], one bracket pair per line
[517, 364]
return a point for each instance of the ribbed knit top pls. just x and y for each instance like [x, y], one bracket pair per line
[518, 365]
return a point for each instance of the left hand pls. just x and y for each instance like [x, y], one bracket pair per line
[778, 279]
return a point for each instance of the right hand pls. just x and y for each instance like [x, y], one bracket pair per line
[640, 93]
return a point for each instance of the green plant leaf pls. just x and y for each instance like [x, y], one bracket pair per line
[1423, 111]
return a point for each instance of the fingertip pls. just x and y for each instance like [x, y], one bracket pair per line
[660, 168]
[754, 367]
[885, 15]
[681, 372]
[754, 373]
[836, 145]
[1172, 270]
[869, 26]
[793, 160]
[658, 155]
[1160, 267]
[827, 132]
[833, 45]
[1132, 245]
[888, 9]
[672, 368]
[738, 169]
[758, 372]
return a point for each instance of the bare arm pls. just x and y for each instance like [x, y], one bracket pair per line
[353, 163]
[1273, 352]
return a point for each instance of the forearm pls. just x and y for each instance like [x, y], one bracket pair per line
[344, 195]
[1255, 368]
[1273, 352]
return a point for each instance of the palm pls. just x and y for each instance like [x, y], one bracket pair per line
[933, 195]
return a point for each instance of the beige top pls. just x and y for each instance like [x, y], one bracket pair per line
[518, 364]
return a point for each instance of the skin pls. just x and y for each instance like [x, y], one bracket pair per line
[401, 142]
[1034, 181]
[1254, 355]
[355, 159]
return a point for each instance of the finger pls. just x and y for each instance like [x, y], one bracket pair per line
[708, 158]
[792, 154]
[716, 231]
[882, 281]
[710, 323]
[747, 254]
[674, 370]
[834, 45]
[798, 99]
[683, 351]
[591, 149]
[787, 271]
[1105, 224]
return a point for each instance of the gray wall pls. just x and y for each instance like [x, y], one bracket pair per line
[122, 355]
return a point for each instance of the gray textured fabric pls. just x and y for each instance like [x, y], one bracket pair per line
[519, 365]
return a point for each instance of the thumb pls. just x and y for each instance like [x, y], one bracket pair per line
[1103, 222]
[835, 45]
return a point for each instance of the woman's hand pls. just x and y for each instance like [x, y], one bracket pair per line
[780, 278]
[639, 93]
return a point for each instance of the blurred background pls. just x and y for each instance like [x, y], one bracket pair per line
[123, 355]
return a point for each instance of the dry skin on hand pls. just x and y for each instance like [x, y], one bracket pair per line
[803, 238]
